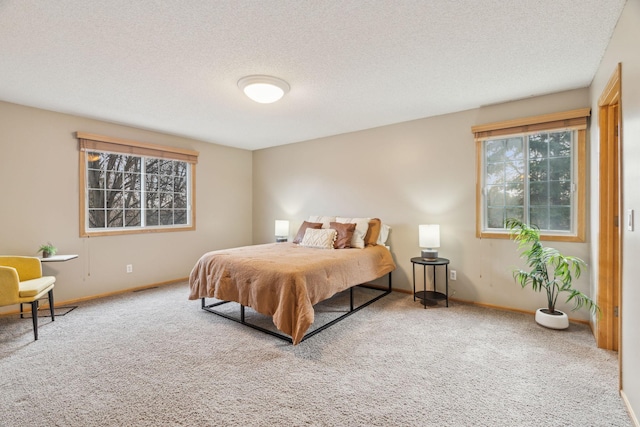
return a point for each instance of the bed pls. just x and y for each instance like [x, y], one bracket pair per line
[285, 281]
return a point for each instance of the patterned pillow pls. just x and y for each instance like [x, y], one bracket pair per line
[303, 228]
[321, 238]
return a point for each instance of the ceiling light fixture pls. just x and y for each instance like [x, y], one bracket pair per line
[263, 89]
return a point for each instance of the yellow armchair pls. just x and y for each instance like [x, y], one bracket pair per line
[21, 281]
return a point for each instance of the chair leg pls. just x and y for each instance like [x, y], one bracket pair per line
[34, 316]
[53, 316]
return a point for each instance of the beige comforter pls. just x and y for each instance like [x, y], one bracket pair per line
[285, 280]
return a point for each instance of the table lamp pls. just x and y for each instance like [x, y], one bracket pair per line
[282, 230]
[429, 236]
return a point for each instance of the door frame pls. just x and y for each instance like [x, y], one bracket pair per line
[607, 324]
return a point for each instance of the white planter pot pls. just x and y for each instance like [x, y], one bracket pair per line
[552, 321]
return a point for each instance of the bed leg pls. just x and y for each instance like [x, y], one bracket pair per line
[242, 313]
[202, 303]
[351, 299]
[389, 281]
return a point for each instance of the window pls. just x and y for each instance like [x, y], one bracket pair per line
[132, 187]
[534, 170]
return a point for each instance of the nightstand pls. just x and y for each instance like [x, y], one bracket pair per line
[430, 296]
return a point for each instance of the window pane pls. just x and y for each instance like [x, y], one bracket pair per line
[166, 183]
[96, 218]
[114, 199]
[560, 193]
[152, 217]
[494, 150]
[132, 163]
[179, 201]
[514, 171]
[560, 218]
[166, 217]
[96, 199]
[114, 218]
[495, 174]
[180, 184]
[514, 149]
[131, 199]
[132, 181]
[152, 165]
[560, 169]
[495, 217]
[166, 200]
[166, 167]
[113, 180]
[538, 146]
[94, 159]
[514, 194]
[539, 193]
[113, 162]
[153, 200]
[180, 216]
[495, 195]
[539, 170]
[151, 183]
[515, 212]
[539, 216]
[95, 178]
[560, 144]
[132, 218]
[181, 169]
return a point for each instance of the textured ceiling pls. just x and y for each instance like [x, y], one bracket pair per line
[172, 65]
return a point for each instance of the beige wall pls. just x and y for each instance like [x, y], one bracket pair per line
[407, 174]
[623, 49]
[39, 189]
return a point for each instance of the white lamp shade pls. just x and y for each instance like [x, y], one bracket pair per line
[429, 235]
[263, 89]
[282, 228]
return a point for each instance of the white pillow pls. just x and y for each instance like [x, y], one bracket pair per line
[321, 238]
[384, 234]
[362, 225]
[325, 220]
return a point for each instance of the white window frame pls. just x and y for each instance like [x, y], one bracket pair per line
[575, 121]
[91, 143]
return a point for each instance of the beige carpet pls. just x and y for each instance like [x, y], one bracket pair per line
[153, 358]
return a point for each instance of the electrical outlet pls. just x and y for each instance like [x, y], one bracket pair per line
[452, 275]
[129, 268]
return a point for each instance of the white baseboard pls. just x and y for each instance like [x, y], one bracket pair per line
[632, 415]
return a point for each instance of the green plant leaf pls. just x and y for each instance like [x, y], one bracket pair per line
[548, 268]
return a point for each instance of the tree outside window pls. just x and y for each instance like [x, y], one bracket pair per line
[144, 189]
[530, 178]
[533, 170]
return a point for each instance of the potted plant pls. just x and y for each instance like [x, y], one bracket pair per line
[47, 250]
[548, 270]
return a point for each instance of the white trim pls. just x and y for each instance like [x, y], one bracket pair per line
[632, 415]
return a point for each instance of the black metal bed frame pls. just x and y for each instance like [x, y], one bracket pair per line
[352, 309]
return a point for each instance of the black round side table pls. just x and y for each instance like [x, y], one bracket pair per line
[430, 296]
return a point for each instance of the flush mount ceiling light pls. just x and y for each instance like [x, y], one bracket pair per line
[263, 89]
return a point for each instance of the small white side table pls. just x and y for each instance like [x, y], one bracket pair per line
[58, 258]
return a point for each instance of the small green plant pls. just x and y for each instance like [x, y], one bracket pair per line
[549, 269]
[47, 250]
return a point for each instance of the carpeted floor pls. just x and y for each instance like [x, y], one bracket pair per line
[153, 358]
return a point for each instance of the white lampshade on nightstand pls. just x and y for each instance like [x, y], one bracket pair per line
[282, 230]
[429, 237]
